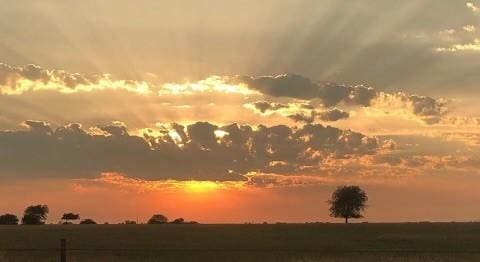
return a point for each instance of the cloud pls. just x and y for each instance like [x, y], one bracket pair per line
[21, 79]
[138, 185]
[296, 86]
[264, 106]
[431, 110]
[469, 28]
[303, 117]
[326, 116]
[269, 180]
[423, 164]
[199, 151]
[302, 92]
[473, 7]
[38, 127]
[333, 115]
[298, 112]
[423, 108]
[472, 46]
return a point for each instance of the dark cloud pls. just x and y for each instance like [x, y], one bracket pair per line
[118, 129]
[303, 117]
[196, 152]
[331, 94]
[430, 109]
[333, 115]
[38, 126]
[305, 113]
[264, 106]
[296, 86]
[326, 116]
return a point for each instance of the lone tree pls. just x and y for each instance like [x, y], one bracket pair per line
[348, 202]
[35, 215]
[88, 221]
[8, 219]
[158, 219]
[70, 216]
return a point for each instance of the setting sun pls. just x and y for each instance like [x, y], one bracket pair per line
[238, 112]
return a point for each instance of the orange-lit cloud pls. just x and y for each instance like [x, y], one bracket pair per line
[138, 185]
[18, 80]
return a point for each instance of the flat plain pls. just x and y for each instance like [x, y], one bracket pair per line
[249, 242]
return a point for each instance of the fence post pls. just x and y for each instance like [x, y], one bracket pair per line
[63, 250]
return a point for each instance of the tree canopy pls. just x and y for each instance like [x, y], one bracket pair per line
[158, 219]
[8, 219]
[35, 215]
[348, 202]
[70, 216]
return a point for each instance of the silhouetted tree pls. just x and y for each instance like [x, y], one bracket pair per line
[70, 216]
[88, 221]
[8, 219]
[178, 221]
[130, 222]
[158, 219]
[35, 215]
[348, 202]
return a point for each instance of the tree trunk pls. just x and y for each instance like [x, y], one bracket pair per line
[346, 220]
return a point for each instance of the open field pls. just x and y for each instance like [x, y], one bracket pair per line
[280, 242]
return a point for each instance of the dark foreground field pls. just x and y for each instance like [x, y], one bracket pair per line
[293, 242]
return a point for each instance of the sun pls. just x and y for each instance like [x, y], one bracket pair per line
[201, 186]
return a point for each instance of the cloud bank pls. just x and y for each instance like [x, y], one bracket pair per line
[200, 151]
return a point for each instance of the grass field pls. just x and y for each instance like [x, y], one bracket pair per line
[280, 242]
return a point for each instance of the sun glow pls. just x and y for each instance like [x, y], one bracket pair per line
[201, 186]
[211, 84]
[166, 186]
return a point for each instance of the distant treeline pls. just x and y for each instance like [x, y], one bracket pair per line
[346, 202]
[37, 215]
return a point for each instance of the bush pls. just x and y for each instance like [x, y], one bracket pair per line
[158, 219]
[8, 219]
[88, 221]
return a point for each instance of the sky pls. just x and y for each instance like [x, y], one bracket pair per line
[240, 111]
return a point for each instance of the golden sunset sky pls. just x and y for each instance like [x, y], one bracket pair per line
[240, 111]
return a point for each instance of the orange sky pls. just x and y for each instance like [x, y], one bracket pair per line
[240, 111]
[426, 199]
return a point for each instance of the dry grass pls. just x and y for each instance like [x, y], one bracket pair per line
[286, 242]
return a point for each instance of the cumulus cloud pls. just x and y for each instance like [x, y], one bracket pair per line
[21, 79]
[296, 86]
[326, 116]
[424, 108]
[264, 106]
[201, 151]
[333, 115]
[16, 80]
[303, 117]
[298, 112]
